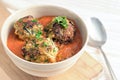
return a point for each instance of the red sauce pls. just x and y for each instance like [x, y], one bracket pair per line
[65, 51]
[15, 44]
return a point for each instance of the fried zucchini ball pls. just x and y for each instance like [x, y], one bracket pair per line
[27, 28]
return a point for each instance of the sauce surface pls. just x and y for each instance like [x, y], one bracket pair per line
[65, 50]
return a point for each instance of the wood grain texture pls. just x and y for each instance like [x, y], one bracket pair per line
[86, 67]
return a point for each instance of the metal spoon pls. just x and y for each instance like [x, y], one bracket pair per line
[98, 40]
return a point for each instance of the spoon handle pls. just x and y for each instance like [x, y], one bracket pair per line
[113, 77]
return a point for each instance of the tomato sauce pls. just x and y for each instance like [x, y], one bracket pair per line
[14, 43]
[65, 50]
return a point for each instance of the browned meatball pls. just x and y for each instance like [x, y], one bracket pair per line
[63, 35]
[62, 31]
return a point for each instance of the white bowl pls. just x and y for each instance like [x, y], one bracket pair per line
[39, 69]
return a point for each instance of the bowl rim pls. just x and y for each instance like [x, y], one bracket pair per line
[36, 6]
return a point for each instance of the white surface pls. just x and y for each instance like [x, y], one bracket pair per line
[108, 11]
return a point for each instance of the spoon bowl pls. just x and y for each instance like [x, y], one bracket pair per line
[100, 36]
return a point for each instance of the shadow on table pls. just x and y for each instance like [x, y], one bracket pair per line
[11, 70]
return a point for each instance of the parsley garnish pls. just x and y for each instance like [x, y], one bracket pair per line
[55, 49]
[38, 34]
[62, 21]
[34, 20]
[36, 45]
[20, 20]
[45, 44]
[46, 60]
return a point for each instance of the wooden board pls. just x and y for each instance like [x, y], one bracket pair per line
[86, 67]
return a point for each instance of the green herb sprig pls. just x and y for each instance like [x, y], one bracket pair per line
[62, 21]
[38, 34]
[34, 20]
[45, 44]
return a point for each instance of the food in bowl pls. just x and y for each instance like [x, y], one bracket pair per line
[27, 27]
[66, 57]
[45, 39]
[61, 29]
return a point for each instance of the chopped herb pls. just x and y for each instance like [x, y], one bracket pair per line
[40, 39]
[24, 24]
[38, 34]
[34, 20]
[62, 21]
[45, 44]
[36, 45]
[38, 25]
[46, 60]
[20, 20]
[55, 50]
